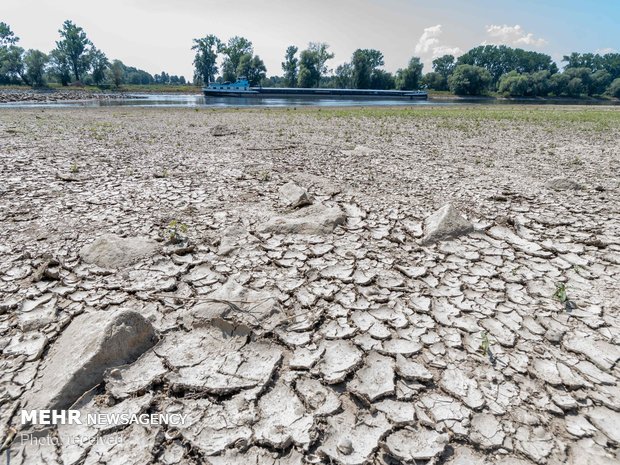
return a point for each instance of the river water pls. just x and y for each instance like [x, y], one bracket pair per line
[199, 101]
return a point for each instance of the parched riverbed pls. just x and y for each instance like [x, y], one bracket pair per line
[283, 286]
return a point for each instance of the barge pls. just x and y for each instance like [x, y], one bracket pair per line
[242, 88]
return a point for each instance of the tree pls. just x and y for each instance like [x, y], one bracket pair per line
[6, 36]
[309, 75]
[614, 88]
[344, 75]
[611, 63]
[559, 84]
[99, 63]
[117, 71]
[290, 66]
[59, 67]
[12, 65]
[514, 84]
[382, 80]
[365, 64]
[410, 77]
[322, 56]
[252, 67]
[599, 81]
[236, 48]
[75, 46]
[435, 81]
[576, 87]
[444, 66]
[580, 81]
[205, 60]
[34, 63]
[499, 60]
[312, 64]
[469, 80]
[540, 83]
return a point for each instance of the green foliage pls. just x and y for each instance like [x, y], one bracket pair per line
[410, 77]
[309, 75]
[312, 64]
[614, 88]
[435, 81]
[382, 80]
[176, 231]
[251, 67]
[485, 344]
[12, 65]
[117, 73]
[560, 293]
[365, 72]
[609, 62]
[205, 60]
[469, 80]
[74, 46]
[59, 67]
[344, 76]
[34, 63]
[540, 83]
[499, 60]
[514, 84]
[290, 66]
[443, 66]
[234, 50]
[6, 35]
[599, 82]
[99, 63]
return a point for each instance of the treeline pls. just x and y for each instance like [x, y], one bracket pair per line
[485, 69]
[305, 68]
[520, 73]
[74, 60]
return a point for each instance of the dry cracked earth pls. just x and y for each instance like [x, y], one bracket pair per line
[433, 286]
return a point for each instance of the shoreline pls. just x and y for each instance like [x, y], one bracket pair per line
[14, 94]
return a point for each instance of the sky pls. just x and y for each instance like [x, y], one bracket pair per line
[156, 35]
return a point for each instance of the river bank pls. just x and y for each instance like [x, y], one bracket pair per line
[294, 282]
[22, 94]
[13, 95]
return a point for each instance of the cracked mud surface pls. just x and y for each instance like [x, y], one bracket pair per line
[335, 332]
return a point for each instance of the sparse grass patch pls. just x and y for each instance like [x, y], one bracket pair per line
[176, 232]
[598, 118]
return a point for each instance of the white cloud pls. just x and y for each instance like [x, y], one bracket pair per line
[429, 45]
[428, 40]
[512, 35]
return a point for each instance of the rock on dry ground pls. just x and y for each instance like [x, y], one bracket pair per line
[437, 286]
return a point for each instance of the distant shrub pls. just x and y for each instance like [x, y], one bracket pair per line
[614, 88]
[469, 80]
[514, 84]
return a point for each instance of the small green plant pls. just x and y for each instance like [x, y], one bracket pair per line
[176, 231]
[485, 344]
[562, 296]
[560, 293]
[74, 168]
